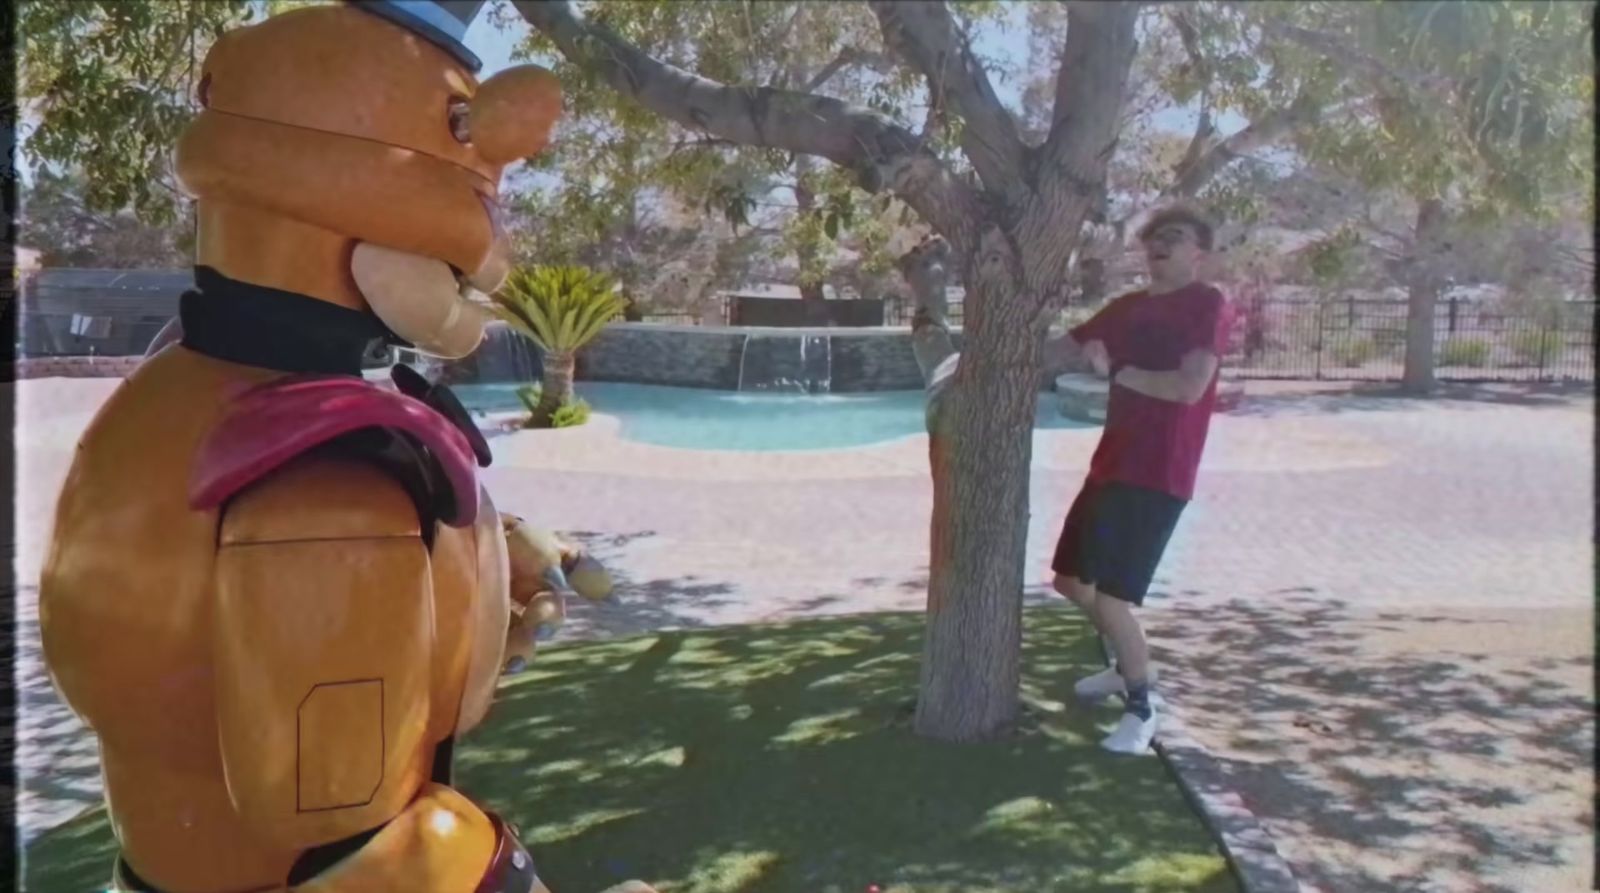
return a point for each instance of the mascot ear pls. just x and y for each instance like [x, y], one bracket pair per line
[513, 112]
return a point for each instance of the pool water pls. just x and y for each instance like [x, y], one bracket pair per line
[692, 418]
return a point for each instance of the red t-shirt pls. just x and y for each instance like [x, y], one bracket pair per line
[1149, 442]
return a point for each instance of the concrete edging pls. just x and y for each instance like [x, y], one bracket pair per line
[1245, 844]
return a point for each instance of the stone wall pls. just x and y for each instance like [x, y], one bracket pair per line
[717, 357]
[683, 356]
[877, 361]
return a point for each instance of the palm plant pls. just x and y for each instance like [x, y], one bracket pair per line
[561, 308]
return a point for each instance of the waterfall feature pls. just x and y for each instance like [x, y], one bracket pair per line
[798, 363]
[430, 368]
[816, 363]
[506, 355]
[744, 351]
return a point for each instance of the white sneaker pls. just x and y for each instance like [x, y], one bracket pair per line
[1100, 686]
[1106, 683]
[1132, 735]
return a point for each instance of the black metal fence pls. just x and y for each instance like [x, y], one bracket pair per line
[1351, 339]
[1356, 339]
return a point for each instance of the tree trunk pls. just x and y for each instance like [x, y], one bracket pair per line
[557, 390]
[813, 303]
[979, 450]
[1423, 286]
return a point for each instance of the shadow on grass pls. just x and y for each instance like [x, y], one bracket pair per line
[776, 758]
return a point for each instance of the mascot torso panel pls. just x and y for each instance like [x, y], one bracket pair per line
[127, 606]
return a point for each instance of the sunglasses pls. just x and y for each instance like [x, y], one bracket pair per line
[1169, 236]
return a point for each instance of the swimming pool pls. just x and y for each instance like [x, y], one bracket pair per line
[691, 418]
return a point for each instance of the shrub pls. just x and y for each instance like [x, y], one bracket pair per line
[530, 394]
[1469, 352]
[561, 308]
[569, 414]
[1357, 352]
[1531, 347]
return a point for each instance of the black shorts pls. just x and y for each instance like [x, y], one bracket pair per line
[1114, 537]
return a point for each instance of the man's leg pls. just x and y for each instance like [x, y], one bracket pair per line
[1137, 728]
[1084, 596]
[1074, 560]
[1139, 522]
[1078, 592]
[1127, 636]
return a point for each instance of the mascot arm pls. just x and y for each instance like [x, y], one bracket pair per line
[323, 636]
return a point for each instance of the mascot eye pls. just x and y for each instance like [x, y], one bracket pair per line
[458, 121]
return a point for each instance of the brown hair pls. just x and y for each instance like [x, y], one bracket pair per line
[1188, 215]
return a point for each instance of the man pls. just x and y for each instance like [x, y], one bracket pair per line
[1160, 347]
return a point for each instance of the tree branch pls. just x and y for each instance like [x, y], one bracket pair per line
[1204, 128]
[783, 40]
[880, 153]
[1197, 169]
[1340, 50]
[927, 36]
[848, 56]
[1090, 86]
[704, 142]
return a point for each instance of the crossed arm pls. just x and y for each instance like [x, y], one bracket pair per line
[1186, 384]
[1065, 353]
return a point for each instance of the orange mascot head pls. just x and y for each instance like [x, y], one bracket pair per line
[349, 154]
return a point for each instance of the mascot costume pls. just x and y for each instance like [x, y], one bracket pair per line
[277, 593]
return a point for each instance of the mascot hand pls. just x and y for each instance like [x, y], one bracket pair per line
[589, 578]
[541, 555]
[536, 559]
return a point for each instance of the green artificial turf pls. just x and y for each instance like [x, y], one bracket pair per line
[780, 758]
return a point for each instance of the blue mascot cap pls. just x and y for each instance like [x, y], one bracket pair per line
[442, 22]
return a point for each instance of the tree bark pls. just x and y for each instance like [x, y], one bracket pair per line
[1423, 287]
[813, 302]
[557, 387]
[926, 269]
[980, 450]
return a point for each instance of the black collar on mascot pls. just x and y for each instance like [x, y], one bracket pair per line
[275, 329]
